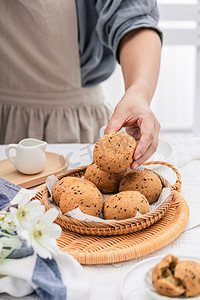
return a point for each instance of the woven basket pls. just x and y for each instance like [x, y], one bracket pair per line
[116, 227]
[93, 250]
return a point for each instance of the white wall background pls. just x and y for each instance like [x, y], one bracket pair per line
[173, 102]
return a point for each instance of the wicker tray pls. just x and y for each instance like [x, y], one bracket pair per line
[93, 250]
[117, 227]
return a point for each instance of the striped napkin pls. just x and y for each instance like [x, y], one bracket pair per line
[24, 273]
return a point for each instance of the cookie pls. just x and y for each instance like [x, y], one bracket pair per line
[114, 152]
[105, 182]
[60, 186]
[146, 182]
[172, 277]
[83, 194]
[141, 202]
[124, 205]
[164, 281]
[188, 272]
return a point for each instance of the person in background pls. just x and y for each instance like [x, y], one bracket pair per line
[55, 53]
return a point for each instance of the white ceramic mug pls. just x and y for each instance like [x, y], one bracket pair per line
[30, 155]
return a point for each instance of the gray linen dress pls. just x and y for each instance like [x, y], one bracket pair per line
[40, 81]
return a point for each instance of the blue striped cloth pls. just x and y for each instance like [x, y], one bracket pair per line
[8, 191]
[46, 275]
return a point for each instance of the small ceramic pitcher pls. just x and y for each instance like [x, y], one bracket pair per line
[30, 155]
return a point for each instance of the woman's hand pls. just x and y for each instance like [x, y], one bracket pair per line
[133, 113]
[139, 54]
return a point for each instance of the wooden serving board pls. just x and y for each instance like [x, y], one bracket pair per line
[56, 164]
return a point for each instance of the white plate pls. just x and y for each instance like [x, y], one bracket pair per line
[164, 153]
[133, 286]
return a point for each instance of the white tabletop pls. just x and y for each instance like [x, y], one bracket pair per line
[105, 279]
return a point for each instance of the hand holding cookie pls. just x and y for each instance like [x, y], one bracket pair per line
[133, 113]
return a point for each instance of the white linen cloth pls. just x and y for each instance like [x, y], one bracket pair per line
[186, 150]
[17, 276]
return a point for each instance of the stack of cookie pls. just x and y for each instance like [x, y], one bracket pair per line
[113, 155]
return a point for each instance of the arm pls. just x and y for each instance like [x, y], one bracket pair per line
[139, 54]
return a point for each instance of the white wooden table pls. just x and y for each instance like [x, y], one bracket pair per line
[105, 279]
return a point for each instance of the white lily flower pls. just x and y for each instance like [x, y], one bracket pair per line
[2, 214]
[8, 224]
[27, 213]
[42, 236]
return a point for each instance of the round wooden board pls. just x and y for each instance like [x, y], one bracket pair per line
[104, 250]
[56, 164]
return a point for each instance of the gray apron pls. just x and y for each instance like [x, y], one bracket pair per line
[40, 84]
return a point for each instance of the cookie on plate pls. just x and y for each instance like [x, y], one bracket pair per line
[60, 186]
[124, 205]
[105, 182]
[188, 272]
[172, 277]
[163, 279]
[146, 182]
[83, 194]
[114, 152]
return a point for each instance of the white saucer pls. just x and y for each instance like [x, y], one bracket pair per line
[133, 286]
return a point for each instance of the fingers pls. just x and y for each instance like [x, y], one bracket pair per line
[134, 130]
[147, 136]
[149, 152]
[116, 122]
[142, 125]
[147, 144]
[121, 117]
